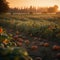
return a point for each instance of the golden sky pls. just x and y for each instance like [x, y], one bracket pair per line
[27, 3]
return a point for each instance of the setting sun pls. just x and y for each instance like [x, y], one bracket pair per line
[36, 3]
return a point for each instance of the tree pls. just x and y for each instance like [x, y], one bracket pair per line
[4, 7]
[53, 9]
[31, 10]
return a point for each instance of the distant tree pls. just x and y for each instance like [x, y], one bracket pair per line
[53, 9]
[4, 7]
[50, 10]
[31, 10]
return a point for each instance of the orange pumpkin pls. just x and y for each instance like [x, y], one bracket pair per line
[15, 37]
[6, 41]
[56, 47]
[19, 44]
[46, 44]
[20, 39]
[1, 30]
[27, 42]
[34, 47]
[17, 32]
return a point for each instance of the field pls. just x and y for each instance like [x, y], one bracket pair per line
[38, 33]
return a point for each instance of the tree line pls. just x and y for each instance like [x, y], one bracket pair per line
[4, 7]
[32, 9]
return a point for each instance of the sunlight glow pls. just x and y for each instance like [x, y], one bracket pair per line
[36, 3]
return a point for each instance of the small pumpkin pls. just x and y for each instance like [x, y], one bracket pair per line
[34, 47]
[6, 41]
[46, 44]
[20, 39]
[19, 44]
[1, 30]
[27, 42]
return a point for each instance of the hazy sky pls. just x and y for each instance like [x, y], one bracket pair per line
[27, 3]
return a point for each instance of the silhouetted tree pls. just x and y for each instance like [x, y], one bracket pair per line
[31, 10]
[53, 9]
[3, 6]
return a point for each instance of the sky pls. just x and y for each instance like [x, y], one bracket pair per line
[36, 3]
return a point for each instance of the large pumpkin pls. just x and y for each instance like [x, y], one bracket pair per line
[56, 47]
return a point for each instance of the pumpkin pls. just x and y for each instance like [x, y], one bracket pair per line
[34, 47]
[19, 43]
[20, 39]
[6, 41]
[27, 42]
[46, 44]
[17, 32]
[1, 30]
[56, 47]
[15, 37]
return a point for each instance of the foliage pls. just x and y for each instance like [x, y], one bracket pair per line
[39, 34]
[9, 49]
[3, 6]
